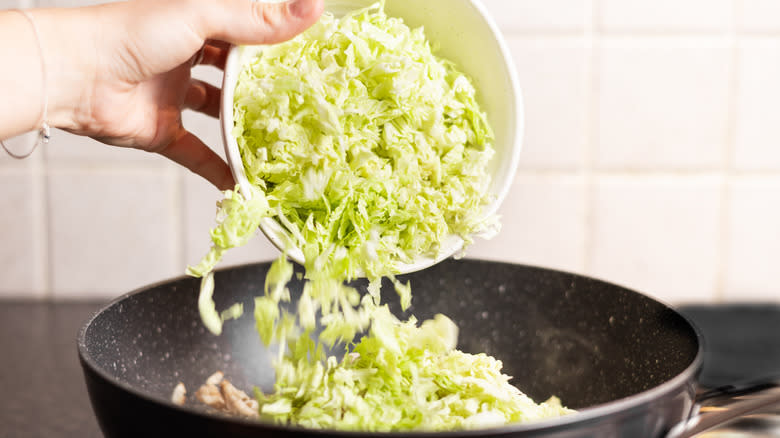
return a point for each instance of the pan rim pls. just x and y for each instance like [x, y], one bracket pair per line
[688, 377]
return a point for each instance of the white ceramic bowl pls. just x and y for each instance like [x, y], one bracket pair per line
[465, 34]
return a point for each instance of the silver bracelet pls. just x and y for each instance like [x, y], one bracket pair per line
[44, 132]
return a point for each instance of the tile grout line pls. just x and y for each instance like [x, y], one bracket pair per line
[81, 165]
[641, 173]
[42, 273]
[42, 240]
[177, 221]
[46, 179]
[671, 33]
[591, 119]
[639, 34]
[44, 218]
[630, 37]
[727, 171]
[181, 248]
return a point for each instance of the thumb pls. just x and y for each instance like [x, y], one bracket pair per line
[250, 22]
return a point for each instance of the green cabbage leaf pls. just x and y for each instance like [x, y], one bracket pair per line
[369, 151]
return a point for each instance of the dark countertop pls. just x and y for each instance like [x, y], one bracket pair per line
[42, 388]
[43, 394]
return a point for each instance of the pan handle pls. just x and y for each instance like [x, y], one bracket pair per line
[727, 403]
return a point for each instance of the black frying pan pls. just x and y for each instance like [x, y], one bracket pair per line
[627, 362]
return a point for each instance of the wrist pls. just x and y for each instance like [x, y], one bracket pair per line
[68, 45]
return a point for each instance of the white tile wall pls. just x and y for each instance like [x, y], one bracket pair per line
[74, 149]
[662, 103]
[541, 224]
[112, 230]
[657, 16]
[758, 15]
[20, 256]
[553, 74]
[757, 112]
[17, 4]
[68, 3]
[541, 16]
[659, 235]
[753, 239]
[650, 160]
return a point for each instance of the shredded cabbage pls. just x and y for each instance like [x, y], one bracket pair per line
[398, 377]
[369, 150]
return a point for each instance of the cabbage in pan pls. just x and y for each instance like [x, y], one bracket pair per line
[369, 150]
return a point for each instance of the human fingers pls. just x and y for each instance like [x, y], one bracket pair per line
[211, 54]
[218, 44]
[203, 97]
[248, 22]
[214, 56]
[187, 150]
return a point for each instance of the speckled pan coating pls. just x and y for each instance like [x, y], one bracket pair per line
[626, 361]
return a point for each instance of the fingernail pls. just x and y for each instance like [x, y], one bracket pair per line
[301, 8]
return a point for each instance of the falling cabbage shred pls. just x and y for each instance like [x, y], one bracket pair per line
[369, 151]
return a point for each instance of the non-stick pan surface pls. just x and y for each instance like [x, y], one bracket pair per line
[627, 362]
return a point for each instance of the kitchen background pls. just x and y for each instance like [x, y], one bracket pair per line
[651, 159]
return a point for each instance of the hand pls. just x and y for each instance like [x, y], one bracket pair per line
[136, 70]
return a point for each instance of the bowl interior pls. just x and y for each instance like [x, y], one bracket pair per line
[465, 35]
